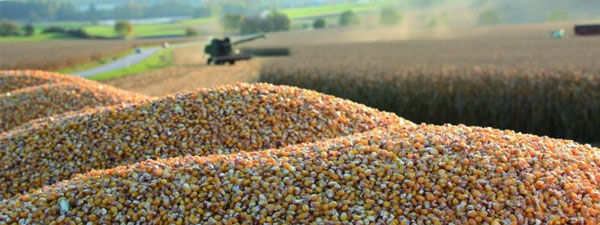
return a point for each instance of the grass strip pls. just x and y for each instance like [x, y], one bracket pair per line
[164, 58]
[323, 10]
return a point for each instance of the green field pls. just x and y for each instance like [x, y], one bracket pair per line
[140, 30]
[162, 59]
[178, 28]
[37, 37]
[324, 10]
[67, 25]
[197, 21]
[39, 27]
[149, 30]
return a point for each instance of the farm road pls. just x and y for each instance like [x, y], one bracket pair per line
[131, 59]
[134, 58]
[126, 61]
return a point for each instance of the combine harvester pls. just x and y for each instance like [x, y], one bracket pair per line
[221, 50]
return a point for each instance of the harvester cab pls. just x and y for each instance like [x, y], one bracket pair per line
[221, 51]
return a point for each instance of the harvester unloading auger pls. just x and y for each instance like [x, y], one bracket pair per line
[221, 51]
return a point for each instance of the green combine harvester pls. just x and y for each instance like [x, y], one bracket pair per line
[221, 51]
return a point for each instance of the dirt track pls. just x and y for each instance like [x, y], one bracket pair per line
[189, 73]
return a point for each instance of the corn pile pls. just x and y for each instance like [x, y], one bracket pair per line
[51, 94]
[15, 79]
[264, 154]
[218, 121]
[46, 100]
[11, 80]
[45, 120]
[399, 175]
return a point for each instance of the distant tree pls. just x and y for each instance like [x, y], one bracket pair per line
[389, 17]
[78, 33]
[252, 25]
[279, 21]
[124, 28]
[54, 29]
[319, 23]
[558, 15]
[232, 22]
[44, 10]
[275, 21]
[9, 28]
[28, 29]
[489, 17]
[440, 20]
[33, 10]
[190, 32]
[349, 18]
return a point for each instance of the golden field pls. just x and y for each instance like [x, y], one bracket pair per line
[507, 77]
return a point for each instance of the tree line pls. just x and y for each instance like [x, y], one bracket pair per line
[277, 21]
[35, 11]
[12, 28]
[273, 21]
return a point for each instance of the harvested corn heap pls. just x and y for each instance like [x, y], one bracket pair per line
[16, 79]
[45, 120]
[417, 175]
[11, 80]
[23, 105]
[29, 95]
[223, 120]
